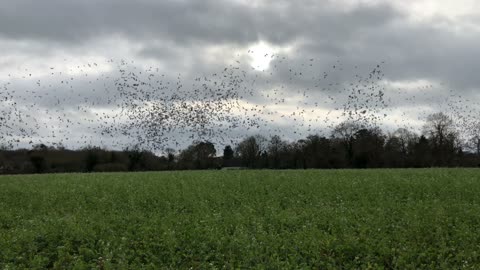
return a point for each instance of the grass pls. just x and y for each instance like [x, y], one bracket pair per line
[351, 219]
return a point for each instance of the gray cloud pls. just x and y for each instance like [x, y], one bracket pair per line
[186, 22]
[178, 36]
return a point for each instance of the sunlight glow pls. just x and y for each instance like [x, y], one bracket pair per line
[261, 54]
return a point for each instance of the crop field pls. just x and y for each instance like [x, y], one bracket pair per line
[322, 219]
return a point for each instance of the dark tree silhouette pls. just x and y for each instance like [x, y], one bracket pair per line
[368, 148]
[91, 159]
[38, 163]
[276, 147]
[228, 153]
[249, 150]
[439, 129]
[199, 155]
[349, 146]
[345, 132]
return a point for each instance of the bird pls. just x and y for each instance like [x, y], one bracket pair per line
[138, 105]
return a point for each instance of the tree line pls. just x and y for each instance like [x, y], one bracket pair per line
[350, 145]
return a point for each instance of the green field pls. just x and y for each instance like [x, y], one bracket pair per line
[351, 219]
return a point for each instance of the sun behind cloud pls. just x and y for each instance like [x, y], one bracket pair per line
[261, 54]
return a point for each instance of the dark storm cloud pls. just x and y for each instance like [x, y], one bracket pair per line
[80, 21]
[177, 32]
[208, 21]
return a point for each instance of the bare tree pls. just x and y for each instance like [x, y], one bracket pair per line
[406, 139]
[474, 144]
[275, 147]
[440, 130]
[250, 149]
[345, 132]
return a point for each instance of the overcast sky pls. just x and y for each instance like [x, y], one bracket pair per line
[428, 49]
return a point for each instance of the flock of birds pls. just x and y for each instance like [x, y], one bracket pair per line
[130, 104]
